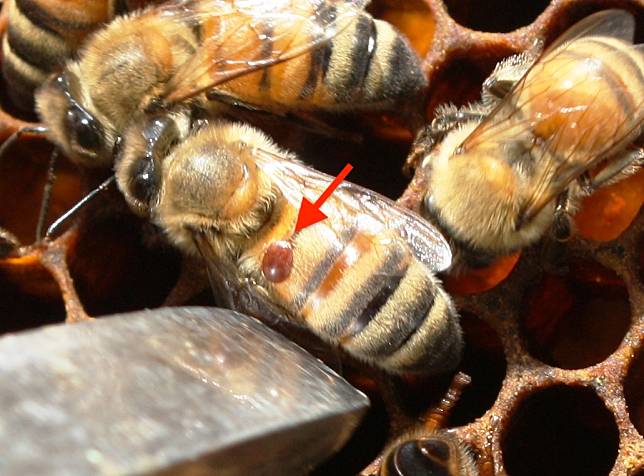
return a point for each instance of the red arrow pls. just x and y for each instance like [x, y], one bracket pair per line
[310, 212]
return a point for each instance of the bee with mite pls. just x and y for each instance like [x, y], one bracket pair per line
[549, 130]
[362, 279]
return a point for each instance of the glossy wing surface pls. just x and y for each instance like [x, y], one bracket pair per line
[572, 109]
[354, 206]
[242, 36]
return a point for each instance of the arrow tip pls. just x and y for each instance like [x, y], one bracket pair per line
[308, 215]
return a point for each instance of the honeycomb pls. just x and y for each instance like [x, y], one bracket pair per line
[554, 336]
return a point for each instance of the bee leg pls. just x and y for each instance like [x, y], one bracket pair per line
[302, 120]
[8, 243]
[445, 123]
[507, 73]
[562, 223]
[616, 170]
[438, 416]
[423, 143]
[6, 145]
[222, 288]
[228, 100]
[433, 133]
[46, 196]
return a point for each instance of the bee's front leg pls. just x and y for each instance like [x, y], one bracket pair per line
[618, 169]
[447, 119]
[562, 223]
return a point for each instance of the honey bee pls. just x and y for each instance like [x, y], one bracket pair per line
[282, 55]
[43, 34]
[430, 450]
[546, 133]
[362, 279]
[428, 453]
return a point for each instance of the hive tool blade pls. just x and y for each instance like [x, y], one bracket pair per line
[186, 390]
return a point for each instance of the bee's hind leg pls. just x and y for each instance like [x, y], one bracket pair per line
[618, 169]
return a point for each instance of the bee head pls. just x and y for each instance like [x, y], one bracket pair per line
[145, 145]
[430, 455]
[72, 125]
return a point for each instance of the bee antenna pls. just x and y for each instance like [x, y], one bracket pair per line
[440, 414]
[54, 229]
[39, 129]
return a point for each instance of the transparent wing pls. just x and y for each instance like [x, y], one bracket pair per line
[561, 102]
[354, 207]
[241, 36]
[614, 23]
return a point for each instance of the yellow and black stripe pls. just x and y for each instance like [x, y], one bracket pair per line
[368, 65]
[607, 75]
[43, 34]
[374, 299]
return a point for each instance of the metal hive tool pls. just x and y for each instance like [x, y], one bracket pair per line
[187, 390]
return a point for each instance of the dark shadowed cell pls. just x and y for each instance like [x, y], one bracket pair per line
[577, 320]
[363, 447]
[115, 267]
[560, 431]
[484, 361]
[498, 15]
[30, 303]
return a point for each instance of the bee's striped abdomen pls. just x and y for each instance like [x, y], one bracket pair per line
[594, 98]
[372, 64]
[381, 305]
[367, 65]
[42, 35]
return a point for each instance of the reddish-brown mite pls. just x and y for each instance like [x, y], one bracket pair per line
[278, 261]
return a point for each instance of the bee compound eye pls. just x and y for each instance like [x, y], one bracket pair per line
[161, 134]
[86, 130]
[144, 180]
[428, 457]
[429, 204]
[278, 261]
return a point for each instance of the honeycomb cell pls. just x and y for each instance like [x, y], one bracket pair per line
[24, 171]
[576, 321]
[641, 258]
[484, 361]
[560, 431]
[28, 304]
[472, 281]
[460, 81]
[495, 15]
[634, 391]
[115, 270]
[412, 17]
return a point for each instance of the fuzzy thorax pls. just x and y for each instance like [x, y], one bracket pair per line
[476, 196]
[212, 186]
